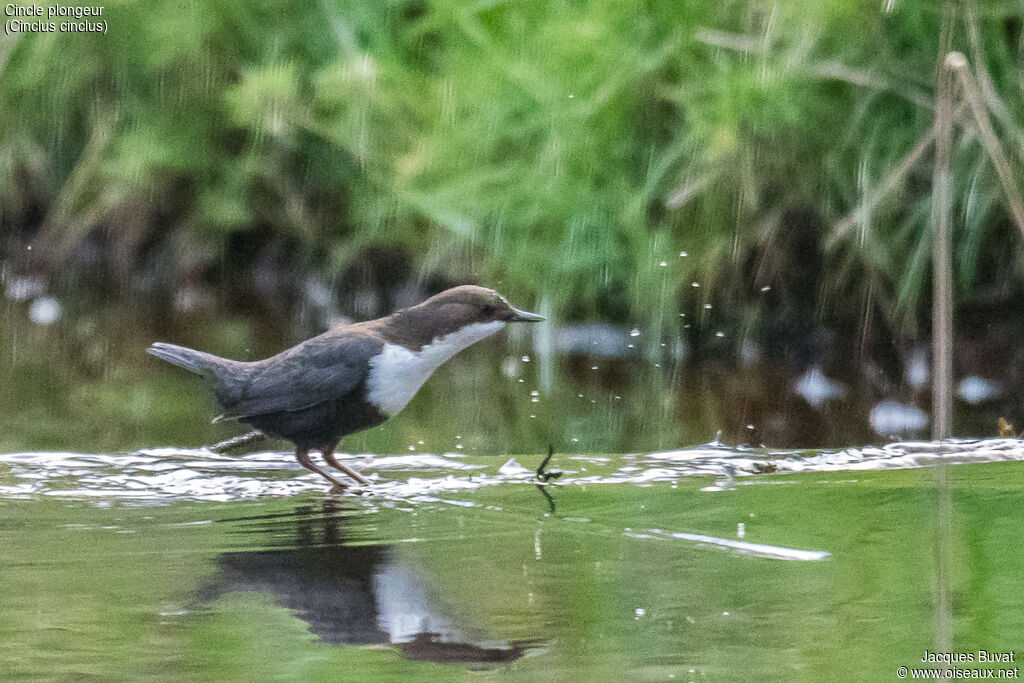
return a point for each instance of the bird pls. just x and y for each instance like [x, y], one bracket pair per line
[350, 378]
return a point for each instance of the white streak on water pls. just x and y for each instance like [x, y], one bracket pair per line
[772, 552]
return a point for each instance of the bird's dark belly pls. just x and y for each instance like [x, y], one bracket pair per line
[319, 425]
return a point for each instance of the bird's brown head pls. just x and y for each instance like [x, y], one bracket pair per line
[460, 307]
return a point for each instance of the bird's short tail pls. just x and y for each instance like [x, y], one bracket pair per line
[225, 377]
[199, 362]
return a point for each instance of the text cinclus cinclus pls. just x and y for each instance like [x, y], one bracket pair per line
[350, 378]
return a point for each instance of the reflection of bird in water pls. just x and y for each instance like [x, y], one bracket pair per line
[350, 378]
[349, 595]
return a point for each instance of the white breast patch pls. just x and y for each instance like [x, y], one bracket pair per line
[397, 373]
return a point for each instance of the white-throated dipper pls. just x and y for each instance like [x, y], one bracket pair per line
[350, 378]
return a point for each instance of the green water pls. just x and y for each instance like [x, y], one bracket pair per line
[301, 587]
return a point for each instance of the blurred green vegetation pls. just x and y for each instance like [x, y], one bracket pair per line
[571, 149]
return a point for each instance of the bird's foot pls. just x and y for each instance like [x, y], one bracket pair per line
[328, 453]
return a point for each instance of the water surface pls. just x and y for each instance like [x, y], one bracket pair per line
[711, 563]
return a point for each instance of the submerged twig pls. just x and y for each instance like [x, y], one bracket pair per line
[547, 496]
[547, 476]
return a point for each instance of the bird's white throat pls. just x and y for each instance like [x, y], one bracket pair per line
[397, 373]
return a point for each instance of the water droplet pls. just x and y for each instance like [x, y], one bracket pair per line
[634, 332]
[526, 359]
[719, 334]
[44, 311]
[695, 284]
[534, 393]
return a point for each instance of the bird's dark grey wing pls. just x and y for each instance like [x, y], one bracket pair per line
[320, 369]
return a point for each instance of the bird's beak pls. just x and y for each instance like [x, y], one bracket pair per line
[524, 316]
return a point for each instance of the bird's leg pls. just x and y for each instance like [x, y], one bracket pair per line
[302, 455]
[328, 453]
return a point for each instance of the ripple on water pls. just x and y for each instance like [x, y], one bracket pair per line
[160, 475]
